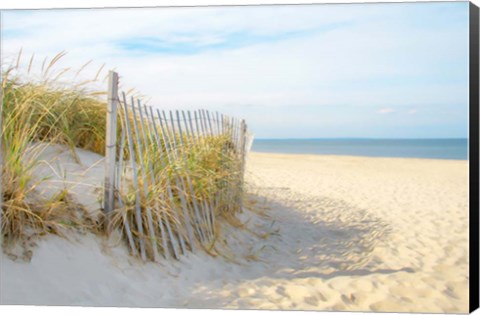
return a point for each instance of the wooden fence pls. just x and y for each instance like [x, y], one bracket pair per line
[169, 175]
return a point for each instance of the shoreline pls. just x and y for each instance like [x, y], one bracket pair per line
[443, 149]
[345, 156]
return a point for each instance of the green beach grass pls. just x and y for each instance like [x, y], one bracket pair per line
[74, 116]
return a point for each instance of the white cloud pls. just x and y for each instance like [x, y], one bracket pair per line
[412, 111]
[365, 56]
[386, 110]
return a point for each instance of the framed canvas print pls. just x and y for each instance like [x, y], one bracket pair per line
[319, 157]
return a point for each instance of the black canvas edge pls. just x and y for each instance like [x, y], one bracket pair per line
[474, 158]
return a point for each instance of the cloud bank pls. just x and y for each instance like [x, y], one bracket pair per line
[291, 71]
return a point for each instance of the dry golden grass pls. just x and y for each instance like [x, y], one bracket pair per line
[47, 111]
[42, 111]
[202, 173]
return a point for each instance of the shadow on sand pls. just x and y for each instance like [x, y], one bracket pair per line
[317, 237]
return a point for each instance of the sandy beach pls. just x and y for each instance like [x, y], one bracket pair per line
[386, 234]
[317, 233]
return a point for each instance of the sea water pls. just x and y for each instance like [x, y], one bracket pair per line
[451, 149]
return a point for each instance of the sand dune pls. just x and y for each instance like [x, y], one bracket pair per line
[319, 233]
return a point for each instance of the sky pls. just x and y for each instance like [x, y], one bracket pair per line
[392, 70]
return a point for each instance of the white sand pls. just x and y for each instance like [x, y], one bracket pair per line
[384, 234]
[343, 233]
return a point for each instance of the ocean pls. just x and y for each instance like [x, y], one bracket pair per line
[449, 149]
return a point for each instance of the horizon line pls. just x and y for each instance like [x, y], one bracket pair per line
[365, 138]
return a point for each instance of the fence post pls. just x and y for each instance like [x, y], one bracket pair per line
[110, 147]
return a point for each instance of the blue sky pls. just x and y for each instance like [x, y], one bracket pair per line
[305, 71]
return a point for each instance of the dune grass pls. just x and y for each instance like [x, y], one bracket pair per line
[183, 184]
[204, 175]
[34, 113]
[46, 111]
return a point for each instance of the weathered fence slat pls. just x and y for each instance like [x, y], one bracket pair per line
[189, 137]
[169, 152]
[192, 131]
[148, 125]
[141, 149]
[118, 184]
[201, 215]
[197, 127]
[201, 140]
[163, 165]
[186, 181]
[217, 120]
[159, 214]
[224, 129]
[232, 131]
[207, 123]
[209, 204]
[145, 178]
[138, 210]
[203, 123]
[199, 223]
[210, 123]
[183, 185]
